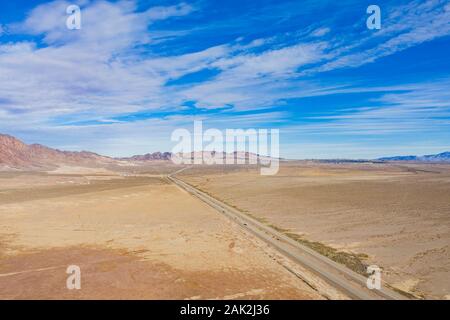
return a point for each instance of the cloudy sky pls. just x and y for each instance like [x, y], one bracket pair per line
[139, 69]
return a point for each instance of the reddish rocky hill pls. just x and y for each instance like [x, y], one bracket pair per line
[16, 154]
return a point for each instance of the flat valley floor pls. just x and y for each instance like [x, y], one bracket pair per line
[137, 236]
[133, 238]
[393, 215]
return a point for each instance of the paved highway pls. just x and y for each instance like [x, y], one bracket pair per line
[339, 276]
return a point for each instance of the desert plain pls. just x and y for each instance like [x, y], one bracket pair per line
[135, 235]
[393, 215]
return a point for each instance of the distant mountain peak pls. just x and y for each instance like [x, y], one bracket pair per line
[149, 156]
[14, 153]
[440, 157]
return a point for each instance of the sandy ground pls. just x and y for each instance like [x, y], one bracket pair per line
[133, 238]
[397, 214]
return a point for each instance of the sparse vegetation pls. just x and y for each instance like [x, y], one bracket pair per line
[353, 261]
[350, 260]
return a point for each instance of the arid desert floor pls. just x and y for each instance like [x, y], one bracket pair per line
[133, 238]
[137, 236]
[396, 215]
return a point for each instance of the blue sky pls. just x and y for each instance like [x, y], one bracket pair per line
[137, 70]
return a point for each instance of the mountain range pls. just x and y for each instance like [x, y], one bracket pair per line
[15, 154]
[440, 157]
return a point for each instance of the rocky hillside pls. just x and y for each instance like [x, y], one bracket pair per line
[18, 155]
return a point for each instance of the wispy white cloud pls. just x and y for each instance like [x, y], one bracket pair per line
[255, 80]
[404, 27]
[250, 80]
[91, 71]
[98, 68]
[320, 32]
[106, 27]
[111, 67]
[423, 107]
